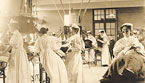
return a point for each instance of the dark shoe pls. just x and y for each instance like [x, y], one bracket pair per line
[104, 65]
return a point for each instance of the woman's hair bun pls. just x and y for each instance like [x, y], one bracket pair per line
[46, 29]
[43, 30]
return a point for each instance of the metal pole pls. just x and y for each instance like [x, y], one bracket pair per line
[80, 12]
[86, 9]
[62, 6]
[58, 12]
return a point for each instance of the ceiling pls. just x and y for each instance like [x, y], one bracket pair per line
[76, 4]
[46, 2]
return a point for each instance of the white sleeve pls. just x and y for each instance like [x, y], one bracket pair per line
[118, 47]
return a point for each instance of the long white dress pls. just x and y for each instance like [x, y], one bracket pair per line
[105, 52]
[18, 68]
[52, 63]
[74, 61]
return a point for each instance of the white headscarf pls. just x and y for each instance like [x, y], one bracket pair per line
[75, 25]
[128, 24]
[105, 36]
[77, 35]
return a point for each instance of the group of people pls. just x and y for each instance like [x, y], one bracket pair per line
[126, 51]
[101, 43]
[58, 71]
[48, 50]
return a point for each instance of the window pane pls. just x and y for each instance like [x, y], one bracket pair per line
[107, 11]
[108, 32]
[99, 12]
[95, 12]
[107, 16]
[114, 11]
[102, 11]
[96, 32]
[97, 26]
[112, 25]
[99, 17]
[112, 32]
[114, 16]
[111, 13]
[101, 25]
[108, 25]
[95, 18]
[102, 16]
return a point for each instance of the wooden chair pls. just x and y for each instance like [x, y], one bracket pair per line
[3, 65]
[97, 54]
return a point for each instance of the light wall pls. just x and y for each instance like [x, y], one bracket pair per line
[129, 15]
[54, 21]
[136, 16]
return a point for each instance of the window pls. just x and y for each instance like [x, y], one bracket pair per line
[105, 19]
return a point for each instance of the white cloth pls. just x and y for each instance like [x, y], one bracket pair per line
[52, 63]
[124, 44]
[105, 52]
[18, 68]
[74, 61]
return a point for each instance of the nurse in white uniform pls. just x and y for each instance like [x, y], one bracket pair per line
[18, 68]
[74, 60]
[52, 63]
[105, 50]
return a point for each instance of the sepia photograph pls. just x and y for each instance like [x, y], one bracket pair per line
[72, 41]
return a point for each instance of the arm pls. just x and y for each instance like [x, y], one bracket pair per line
[121, 49]
[105, 40]
[100, 41]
